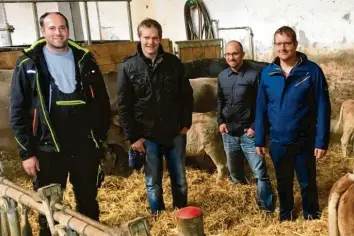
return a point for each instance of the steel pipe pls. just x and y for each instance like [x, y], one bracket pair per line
[12, 218]
[130, 21]
[4, 225]
[33, 1]
[87, 21]
[58, 206]
[240, 28]
[64, 219]
[35, 15]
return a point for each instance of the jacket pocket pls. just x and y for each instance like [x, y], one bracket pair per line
[141, 85]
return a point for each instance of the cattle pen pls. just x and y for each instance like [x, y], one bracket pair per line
[228, 209]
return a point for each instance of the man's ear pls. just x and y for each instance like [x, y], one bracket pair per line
[42, 31]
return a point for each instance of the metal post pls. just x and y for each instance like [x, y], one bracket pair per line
[242, 28]
[99, 20]
[87, 21]
[130, 21]
[26, 229]
[35, 16]
[12, 218]
[4, 225]
[6, 35]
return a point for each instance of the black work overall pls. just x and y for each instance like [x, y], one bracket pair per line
[79, 155]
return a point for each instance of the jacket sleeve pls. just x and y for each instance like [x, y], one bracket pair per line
[19, 111]
[323, 109]
[261, 115]
[103, 103]
[219, 104]
[186, 98]
[125, 105]
[254, 99]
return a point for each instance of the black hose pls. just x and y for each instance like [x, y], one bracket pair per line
[205, 23]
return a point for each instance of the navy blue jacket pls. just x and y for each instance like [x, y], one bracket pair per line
[296, 109]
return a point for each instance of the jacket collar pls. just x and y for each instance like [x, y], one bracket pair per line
[160, 53]
[35, 51]
[300, 55]
[241, 70]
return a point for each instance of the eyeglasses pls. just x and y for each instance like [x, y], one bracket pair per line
[283, 43]
[234, 54]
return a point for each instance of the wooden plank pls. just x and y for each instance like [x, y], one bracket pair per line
[186, 54]
[108, 68]
[218, 52]
[8, 59]
[108, 55]
[210, 52]
[198, 52]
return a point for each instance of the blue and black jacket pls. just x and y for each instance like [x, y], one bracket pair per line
[30, 99]
[296, 109]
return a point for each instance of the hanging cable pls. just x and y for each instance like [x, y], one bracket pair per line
[205, 30]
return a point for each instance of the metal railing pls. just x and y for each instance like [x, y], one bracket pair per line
[87, 21]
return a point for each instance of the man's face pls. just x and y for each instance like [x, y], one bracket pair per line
[234, 55]
[284, 47]
[55, 31]
[150, 40]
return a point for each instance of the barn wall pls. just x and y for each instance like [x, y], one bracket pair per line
[323, 26]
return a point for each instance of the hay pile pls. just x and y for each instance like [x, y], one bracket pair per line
[339, 71]
[229, 209]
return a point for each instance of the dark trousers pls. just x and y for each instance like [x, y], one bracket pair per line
[82, 170]
[298, 157]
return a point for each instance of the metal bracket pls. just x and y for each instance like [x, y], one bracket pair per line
[50, 195]
[136, 227]
[9, 28]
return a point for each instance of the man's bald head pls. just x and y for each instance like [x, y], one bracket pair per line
[234, 54]
[235, 43]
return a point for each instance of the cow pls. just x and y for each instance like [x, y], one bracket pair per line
[204, 94]
[203, 138]
[346, 121]
[7, 140]
[340, 207]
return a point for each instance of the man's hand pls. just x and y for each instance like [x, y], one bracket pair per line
[250, 132]
[139, 145]
[31, 166]
[261, 151]
[223, 129]
[184, 130]
[319, 153]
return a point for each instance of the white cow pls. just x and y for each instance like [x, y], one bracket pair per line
[203, 138]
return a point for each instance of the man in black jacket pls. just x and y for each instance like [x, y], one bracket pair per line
[60, 114]
[236, 104]
[155, 103]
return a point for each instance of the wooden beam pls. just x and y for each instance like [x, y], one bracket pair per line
[108, 55]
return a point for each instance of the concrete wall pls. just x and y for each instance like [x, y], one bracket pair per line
[323, 26]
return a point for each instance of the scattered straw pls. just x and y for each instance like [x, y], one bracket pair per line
[228, 209]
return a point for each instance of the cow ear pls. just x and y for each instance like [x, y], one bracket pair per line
[115, 120]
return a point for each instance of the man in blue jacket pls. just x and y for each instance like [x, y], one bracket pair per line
[293, 103]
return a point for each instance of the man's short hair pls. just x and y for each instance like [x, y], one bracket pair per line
[238, 43]
[288, 31]
[41, 19]
[149, 23]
